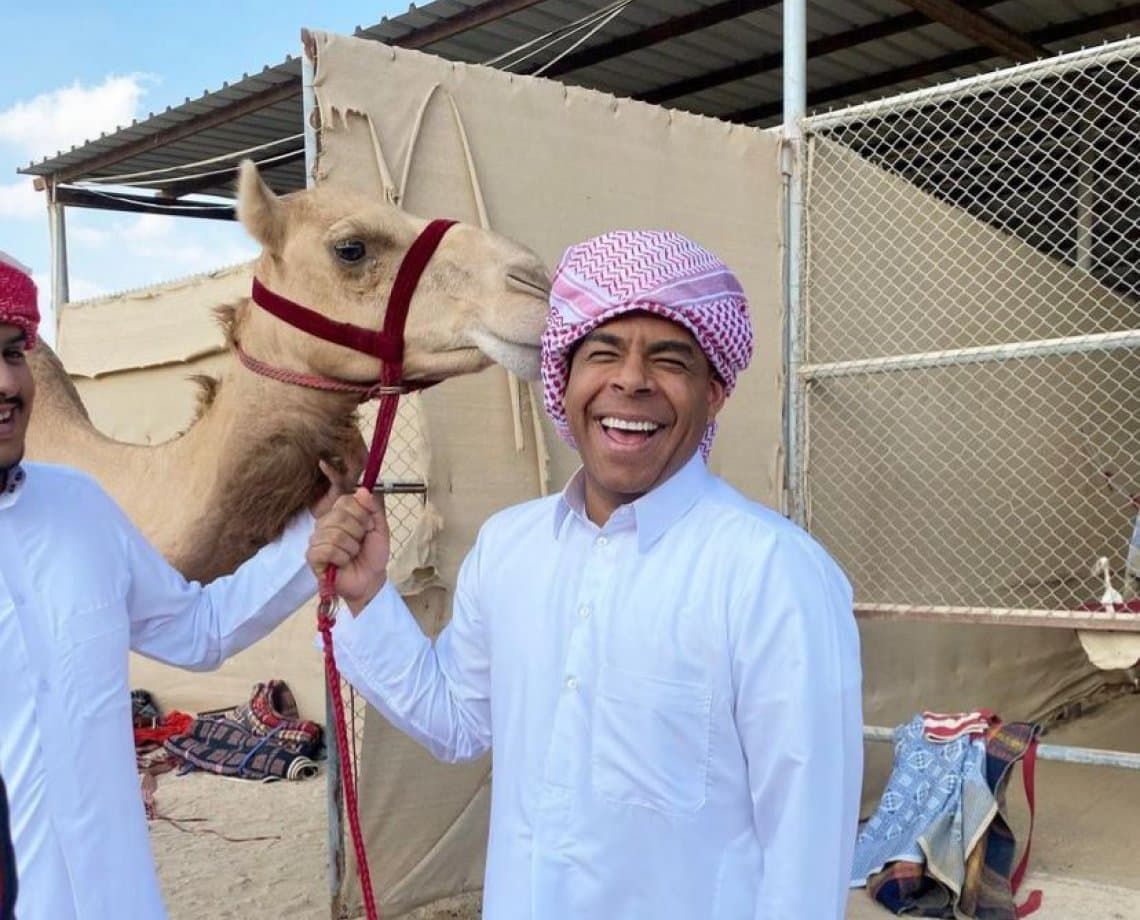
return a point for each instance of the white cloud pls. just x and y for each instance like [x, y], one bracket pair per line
[90, 236]
[148, 229]
[107, 251]
[187, 248]
[20, 200]
[150, 248]
[59, 119]
[82, 289]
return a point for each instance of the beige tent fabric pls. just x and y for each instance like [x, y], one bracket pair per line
[555, 165]
[538, 147]
[165, 324]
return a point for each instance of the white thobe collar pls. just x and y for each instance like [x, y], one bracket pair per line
[13, 486]
[653, 514]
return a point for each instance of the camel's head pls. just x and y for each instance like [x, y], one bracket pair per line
[482, 297]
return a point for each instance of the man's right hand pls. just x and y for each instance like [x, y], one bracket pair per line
[353, 535]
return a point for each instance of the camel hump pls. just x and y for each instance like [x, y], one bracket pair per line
[56, 395]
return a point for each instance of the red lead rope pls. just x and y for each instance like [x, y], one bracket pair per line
[388, 346]
[385, 419]
[325, 620]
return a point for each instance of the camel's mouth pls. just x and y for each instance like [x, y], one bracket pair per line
[528, 283]
[521, 358]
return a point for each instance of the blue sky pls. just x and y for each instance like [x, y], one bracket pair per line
[85, 68]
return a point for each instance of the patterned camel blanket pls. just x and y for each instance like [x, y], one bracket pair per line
[263, 739]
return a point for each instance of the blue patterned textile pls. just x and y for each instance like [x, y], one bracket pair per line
[924, 790]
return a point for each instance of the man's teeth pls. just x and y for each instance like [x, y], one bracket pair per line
[6, 415]
[629, 425]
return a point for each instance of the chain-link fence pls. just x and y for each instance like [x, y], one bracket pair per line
[966, 396]
[402, 476]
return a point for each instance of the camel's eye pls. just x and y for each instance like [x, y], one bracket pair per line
[350, 250]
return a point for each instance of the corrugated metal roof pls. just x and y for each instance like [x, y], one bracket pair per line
[864, 49]
[269, 124]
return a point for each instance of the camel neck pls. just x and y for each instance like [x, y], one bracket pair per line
[252, 459]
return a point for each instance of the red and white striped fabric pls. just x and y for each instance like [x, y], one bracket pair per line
[944, 727]
[18, 305]
[650, 271]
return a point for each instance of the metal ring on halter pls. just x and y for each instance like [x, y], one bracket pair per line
[382, 390]
[363, 391]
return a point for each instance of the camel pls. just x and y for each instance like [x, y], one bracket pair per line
[209, 498]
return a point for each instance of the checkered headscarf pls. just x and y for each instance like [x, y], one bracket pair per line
[651, 271]
[18, 298]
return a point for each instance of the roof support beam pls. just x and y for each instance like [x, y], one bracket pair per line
[138, 204]
[1120, 16]
[769, 62]
[983, 29]
[645, 38]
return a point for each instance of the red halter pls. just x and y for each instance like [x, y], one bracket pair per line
[388, 346]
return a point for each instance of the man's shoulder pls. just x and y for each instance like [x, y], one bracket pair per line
[55, 476]
[64, 485]
[525, 516]
[757, 530]
[734, 509]
[761, 550]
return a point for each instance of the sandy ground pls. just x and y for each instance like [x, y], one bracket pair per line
[206, 876]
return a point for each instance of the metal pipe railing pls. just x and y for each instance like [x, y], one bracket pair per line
[978, 354]
[1061, 753]
[1117, 621]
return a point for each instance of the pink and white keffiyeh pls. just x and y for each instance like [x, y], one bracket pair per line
[18, 306]
[651, 271]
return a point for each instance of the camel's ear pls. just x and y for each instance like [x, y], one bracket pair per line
[259, 209]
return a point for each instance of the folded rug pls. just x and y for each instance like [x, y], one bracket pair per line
[261, 739]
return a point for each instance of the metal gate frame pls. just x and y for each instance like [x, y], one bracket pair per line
[799, 374]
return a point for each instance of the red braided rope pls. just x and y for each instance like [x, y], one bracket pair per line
[385, 419]
[388, 346]
[325, 620]
[364, 391]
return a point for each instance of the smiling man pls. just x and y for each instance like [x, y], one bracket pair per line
[667, 673]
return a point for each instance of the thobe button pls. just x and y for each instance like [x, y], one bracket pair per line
[602, 541]
[584, 611]
[571, 683]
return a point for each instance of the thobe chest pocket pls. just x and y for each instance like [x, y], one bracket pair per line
[651, 741]
[93, 659]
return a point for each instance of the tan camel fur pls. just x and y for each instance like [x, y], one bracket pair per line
[211, 496]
